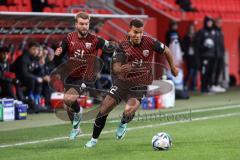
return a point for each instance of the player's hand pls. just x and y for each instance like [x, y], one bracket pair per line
[16, 81]
[56, 76]
[174, 71]
[58, 51]
[46, 78]
[39, 80]
[126, 68]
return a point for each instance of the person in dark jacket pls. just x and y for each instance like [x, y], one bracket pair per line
[191, 58]
[7, 79]
[206, 46]
[25, 67]
[172, 32]
[186, 5]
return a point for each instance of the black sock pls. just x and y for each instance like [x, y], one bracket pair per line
[99, 125]
[126, 119]
[75, 107]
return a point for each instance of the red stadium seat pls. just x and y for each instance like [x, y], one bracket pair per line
[51, 2]
[78, 2]
[58, 10]
[59, 3]
[47, 9]
[4, 8]
[67, 3]
[14, 2]
[13, 8]
[26, 2]
[24, 8]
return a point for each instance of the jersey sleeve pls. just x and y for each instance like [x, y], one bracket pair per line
[158, 47]
[63, 56]
[64, 45]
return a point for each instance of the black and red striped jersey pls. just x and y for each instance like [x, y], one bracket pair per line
[143, 51]
[76, 46]
[141, 58]
[82, 53]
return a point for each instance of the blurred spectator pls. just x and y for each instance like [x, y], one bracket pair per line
[191, 58]
[7, 79]
[174, 44]
[206, 46]
[172, 32]
[38, 5]
[50, 65]
[47, 66]
[186, 5]
[25, 68]
[219, 62]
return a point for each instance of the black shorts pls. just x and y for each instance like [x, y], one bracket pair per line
[120, 92]
[72, 82]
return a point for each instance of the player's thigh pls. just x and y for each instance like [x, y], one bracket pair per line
[107, 105]
[70, 96]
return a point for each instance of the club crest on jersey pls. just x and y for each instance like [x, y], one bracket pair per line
[145, 53]
[88, 45]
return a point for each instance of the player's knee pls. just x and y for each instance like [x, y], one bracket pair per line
[132, 106]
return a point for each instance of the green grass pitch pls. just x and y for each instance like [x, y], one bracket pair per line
[211, 130]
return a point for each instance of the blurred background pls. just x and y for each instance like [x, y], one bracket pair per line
[203, 36]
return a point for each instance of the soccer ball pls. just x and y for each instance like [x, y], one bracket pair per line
[161, 141]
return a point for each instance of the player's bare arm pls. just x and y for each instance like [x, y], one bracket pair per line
[169, 57]
[118, 68]
[58, 51]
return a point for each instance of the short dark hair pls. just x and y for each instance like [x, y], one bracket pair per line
[82, 15]
[33, 44]
[136, 23]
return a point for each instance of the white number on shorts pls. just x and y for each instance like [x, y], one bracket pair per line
[113, 89]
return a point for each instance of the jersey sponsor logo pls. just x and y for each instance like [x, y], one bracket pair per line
[78, 53]
[145, 53]
[88, 45]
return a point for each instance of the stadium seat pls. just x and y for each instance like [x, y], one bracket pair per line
[3, 8]
[47, 9]
[14, 2]
[24, 8]
[230, 9]
[78, 2]
[67, 3]
[13, 8]
[57, 9]
[26, 2]
[51, 2]
[59, 3]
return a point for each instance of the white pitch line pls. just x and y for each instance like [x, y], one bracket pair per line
[178, 113]
[129, 129]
